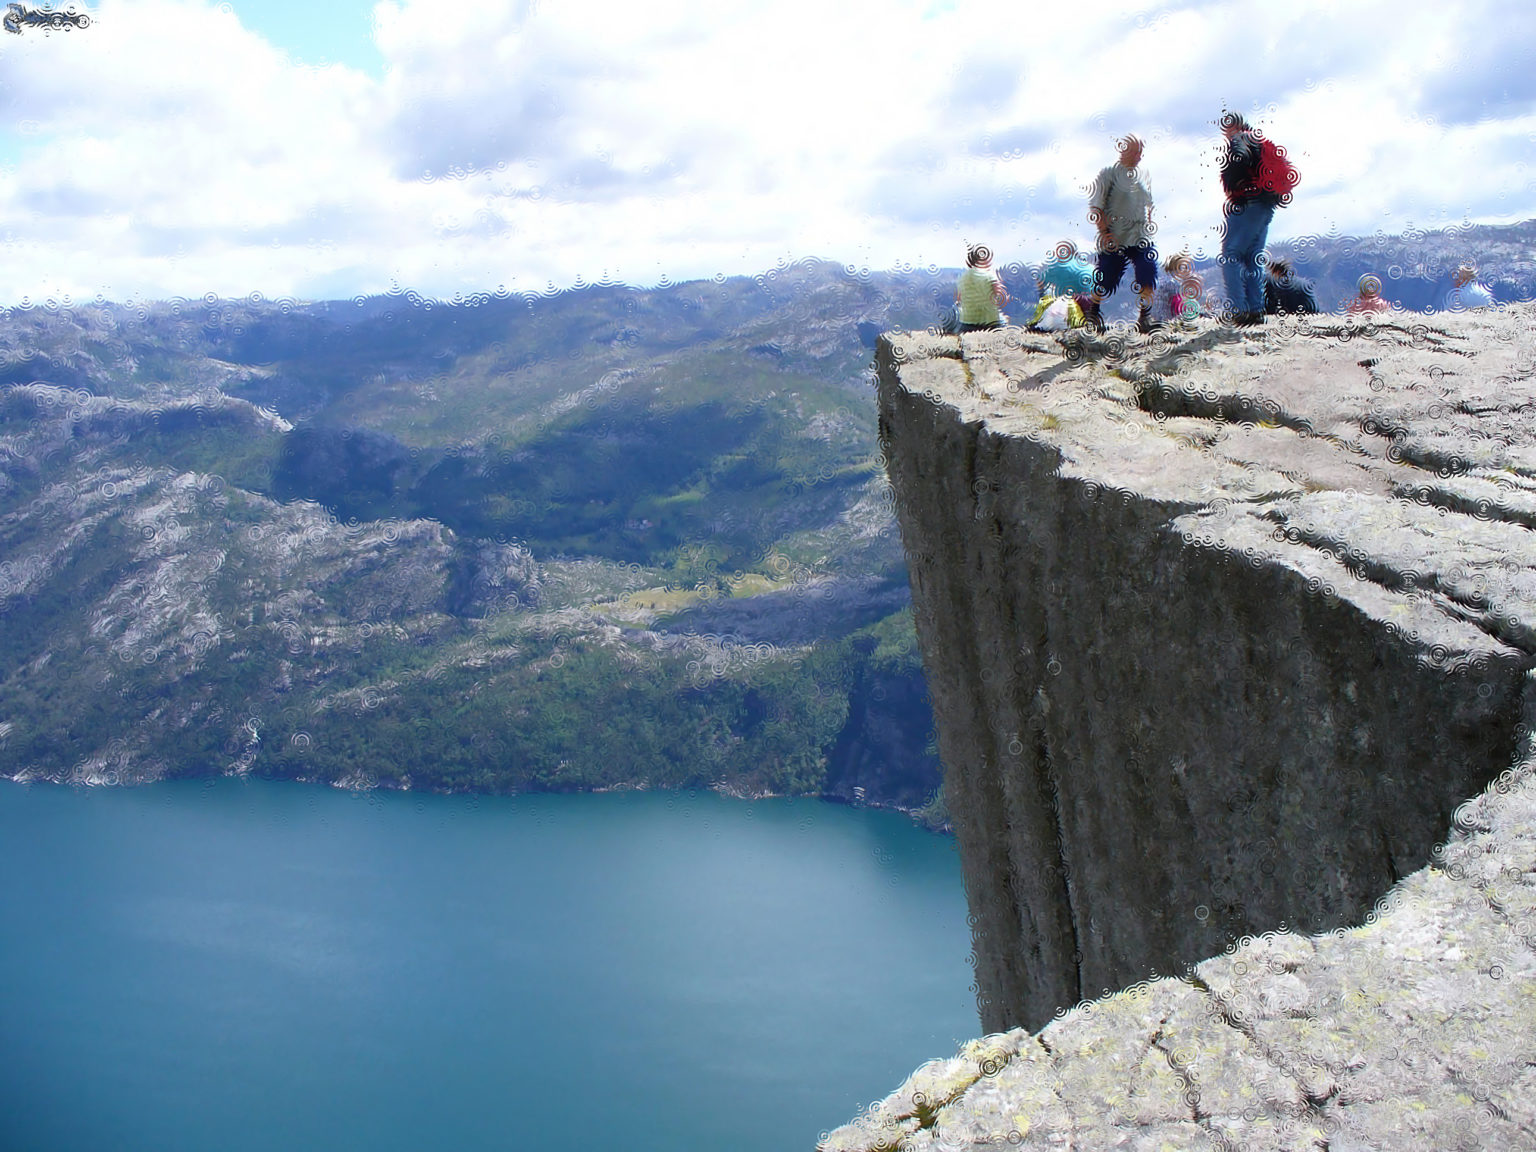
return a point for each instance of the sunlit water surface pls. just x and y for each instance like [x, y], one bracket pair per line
[243, 965]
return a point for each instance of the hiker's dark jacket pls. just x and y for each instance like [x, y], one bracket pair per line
[1240, 172]
[1295, 296]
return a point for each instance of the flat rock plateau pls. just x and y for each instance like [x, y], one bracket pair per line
[1229, 637]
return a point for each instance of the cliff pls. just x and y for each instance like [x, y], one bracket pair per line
[1221, 629]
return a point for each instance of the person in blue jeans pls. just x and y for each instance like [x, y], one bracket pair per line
[1249, 210]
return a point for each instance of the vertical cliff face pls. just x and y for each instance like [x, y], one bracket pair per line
[1220, 628]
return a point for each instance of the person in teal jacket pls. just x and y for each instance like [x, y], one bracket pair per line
[1066, 273]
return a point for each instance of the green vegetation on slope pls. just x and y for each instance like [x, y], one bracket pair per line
[688, 474]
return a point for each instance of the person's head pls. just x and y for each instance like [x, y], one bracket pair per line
[1232, 124]
[1465, 275]
[1179, 265]
[1370, 287]
[1281, 270]
[1130, 151]
[978, 256]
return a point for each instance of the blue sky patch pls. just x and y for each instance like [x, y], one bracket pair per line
[333, 32]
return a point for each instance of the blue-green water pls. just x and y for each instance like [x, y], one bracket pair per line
[242, 965]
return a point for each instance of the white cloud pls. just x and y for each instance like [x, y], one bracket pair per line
[166, 150]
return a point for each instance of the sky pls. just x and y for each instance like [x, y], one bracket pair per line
[328, 149]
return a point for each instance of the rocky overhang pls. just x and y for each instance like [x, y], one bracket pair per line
[1228, 635]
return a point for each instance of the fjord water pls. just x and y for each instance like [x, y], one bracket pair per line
[245, 965]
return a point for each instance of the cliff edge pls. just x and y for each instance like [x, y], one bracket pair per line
[1222, 628]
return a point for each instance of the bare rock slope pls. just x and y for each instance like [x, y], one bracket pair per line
[1222, 630]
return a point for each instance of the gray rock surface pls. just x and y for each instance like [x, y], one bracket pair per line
[1221, 629]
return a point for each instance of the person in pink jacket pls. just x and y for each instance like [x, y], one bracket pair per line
[1370, 298]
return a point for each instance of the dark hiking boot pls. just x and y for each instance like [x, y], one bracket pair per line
[1093, 316]
[1144, 321]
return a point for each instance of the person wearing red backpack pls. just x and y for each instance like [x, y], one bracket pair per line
[1257, 179]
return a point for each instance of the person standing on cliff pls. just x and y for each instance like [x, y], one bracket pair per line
[1257, 179]
[1120, 208]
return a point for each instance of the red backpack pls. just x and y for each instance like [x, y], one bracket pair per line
[1276, 174]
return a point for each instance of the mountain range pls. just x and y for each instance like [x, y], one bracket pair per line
[607, 537]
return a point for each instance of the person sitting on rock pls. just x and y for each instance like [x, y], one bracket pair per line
[979, 294]
[1180, 294]
[1065, 273]
[1466, 291]
[1285, 292]
[1370, 298]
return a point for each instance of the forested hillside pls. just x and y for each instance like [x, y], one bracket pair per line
[603, 538]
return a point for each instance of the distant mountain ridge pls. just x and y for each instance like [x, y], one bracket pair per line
[1415, 268]
[478, 547]
[600, 538]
